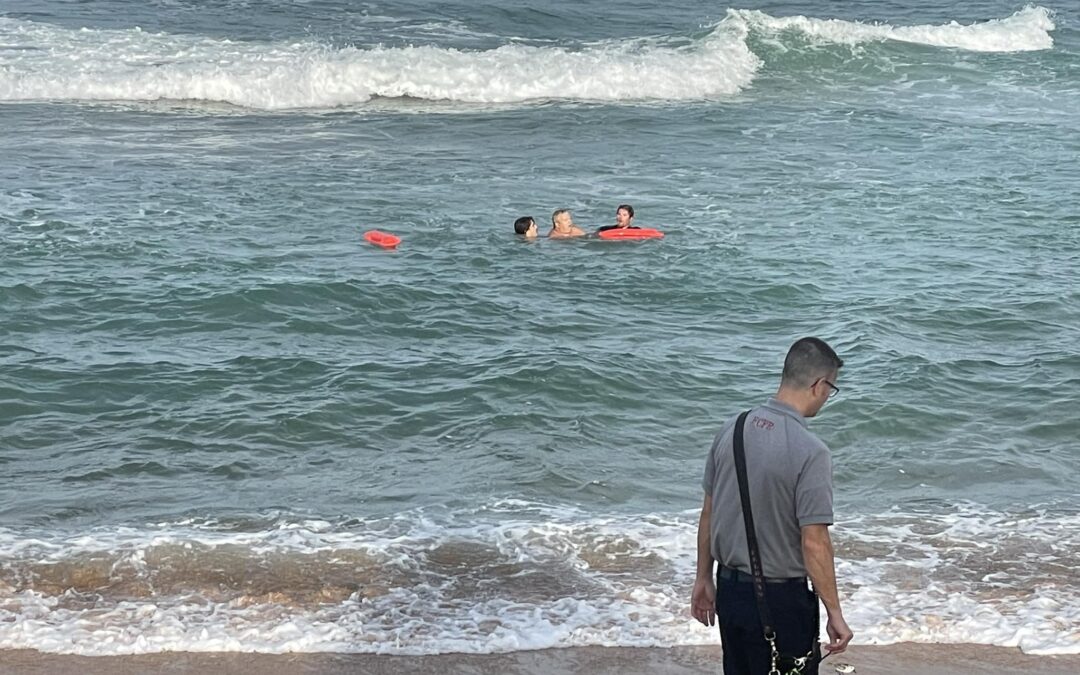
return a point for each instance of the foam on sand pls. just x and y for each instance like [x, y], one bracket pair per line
[510, 576]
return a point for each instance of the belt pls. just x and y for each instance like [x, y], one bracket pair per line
[731, 574]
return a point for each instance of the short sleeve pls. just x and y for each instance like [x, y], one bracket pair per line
[709, 480]
[710, 470]
[813, 491]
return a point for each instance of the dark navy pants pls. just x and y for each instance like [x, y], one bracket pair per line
[794, 609]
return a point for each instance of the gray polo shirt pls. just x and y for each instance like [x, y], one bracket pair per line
[789, 472]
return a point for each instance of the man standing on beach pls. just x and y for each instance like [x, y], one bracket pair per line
[789, 475]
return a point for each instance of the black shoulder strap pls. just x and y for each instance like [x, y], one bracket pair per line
[748, 521]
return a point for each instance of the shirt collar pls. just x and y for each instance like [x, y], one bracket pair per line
[784, 408]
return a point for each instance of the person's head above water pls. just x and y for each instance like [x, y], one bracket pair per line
[562, 225]
[624, 216]
[526, 227]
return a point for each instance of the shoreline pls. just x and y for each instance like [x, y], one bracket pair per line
[897, 659]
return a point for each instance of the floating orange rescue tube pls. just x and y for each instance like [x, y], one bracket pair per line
[383, 239]
[632, 233]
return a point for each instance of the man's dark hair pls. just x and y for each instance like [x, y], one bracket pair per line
[521, 225]
[629, 209]
[807, 360]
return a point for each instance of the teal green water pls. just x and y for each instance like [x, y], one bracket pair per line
[224, 327]
[194, 330]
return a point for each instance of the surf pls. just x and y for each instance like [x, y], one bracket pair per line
[42, 62]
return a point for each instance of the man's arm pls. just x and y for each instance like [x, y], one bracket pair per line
[818, 556]
[703, 599]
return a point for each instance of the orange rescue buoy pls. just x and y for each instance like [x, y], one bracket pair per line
[631, 233]
[383, 239]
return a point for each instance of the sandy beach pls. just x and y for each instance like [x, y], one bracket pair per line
[898, 659]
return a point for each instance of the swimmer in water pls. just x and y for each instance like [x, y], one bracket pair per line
[624, 219]
[526, 227]
[563, 227]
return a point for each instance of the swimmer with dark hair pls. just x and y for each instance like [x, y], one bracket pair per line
[624, 219]
[526, 227]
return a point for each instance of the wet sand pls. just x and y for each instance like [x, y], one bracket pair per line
[887, 660]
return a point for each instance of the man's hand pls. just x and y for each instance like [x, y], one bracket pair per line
[839, 634]
[703, 602]
[818, 554]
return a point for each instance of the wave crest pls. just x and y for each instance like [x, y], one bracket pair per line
[1026, 30]
[43, 62]
[57, 64]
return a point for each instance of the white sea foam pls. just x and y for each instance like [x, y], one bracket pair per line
[515, 575]
[1026, 30]
[41, 62]
[968, 575]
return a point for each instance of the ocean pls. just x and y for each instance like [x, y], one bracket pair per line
[229, 423]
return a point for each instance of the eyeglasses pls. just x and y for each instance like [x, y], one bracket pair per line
[835, 389]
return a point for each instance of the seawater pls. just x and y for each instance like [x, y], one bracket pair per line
[227, 423]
